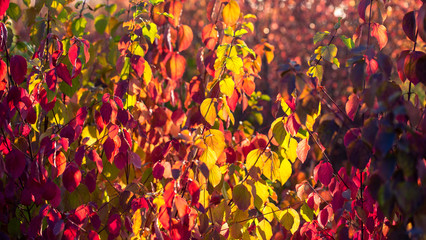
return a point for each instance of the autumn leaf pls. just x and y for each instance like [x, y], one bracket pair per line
[208, 110]
[231, 13]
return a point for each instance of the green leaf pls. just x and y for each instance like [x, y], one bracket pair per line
[329, 52]
[101, 22]
[316, 71]
[240, 32]
[125, 71]
[278, 130]
[111, 8]
[243, 46]
[241, 197]
[307, 213]
[166, 15]
[67, 89]
[14, 11]
[349, 43]
[319, 36]
[234, 64]
[78, 26]
[336, 62]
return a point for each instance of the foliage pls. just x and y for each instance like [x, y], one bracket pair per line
[127, 123]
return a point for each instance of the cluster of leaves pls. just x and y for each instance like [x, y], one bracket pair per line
[107, 135]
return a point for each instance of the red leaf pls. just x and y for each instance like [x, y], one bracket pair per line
[169, 193]
[324, 173]
[292, 125]
[73, 53]
[114, 225]
[352, 106]
[81, 116]
[4, 5]
[18, 68]
[93, 235]
[138, 203]
[178, 116]
[351, 135]
[3, 72]
[324, 215]
[49, 190]
[94, 156]
[181, 206]
[233, 100]
[164, 216]
[194, 190]
[42, 98]
[111, 148]
[99, 122]
[158, 170]
[71, 178]
[409, 25]
[76, 69]
[51, 80]
[410, 64]
[90, 181]
[138, 64]
[362, 7]
[78, 158]
[81, 213]
[400, 64]
[63, 73]
[210, 36]
[302, 150]
[121, 160]
[59, 163]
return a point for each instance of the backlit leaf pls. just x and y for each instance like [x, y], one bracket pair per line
[185, 37]
[285, 171]
[271, 167]
[176, 66]
[227, 86]
[234, 64]
[241, 197]
[302, 150]
[231, 13]
[329, 52]
[290, 219]
[215, 176]
[352, 106]
[208, 110]
[264, 230]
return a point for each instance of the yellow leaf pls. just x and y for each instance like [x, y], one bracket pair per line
[227, 86]
[215, 176]
[231, 13]
[290, 219]
[264, 230]
[204, 198]
[208, 110]
[254, 158]
[285, 171]
[137, 222]
[209, 157]
[271, 166]
[147, 73]
[234, 64]
[215, 140]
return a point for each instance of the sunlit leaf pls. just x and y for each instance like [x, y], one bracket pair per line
[231, 13]
[264, 230]
[215, 176]
[285, 171]
[290, 219]
[208, 110]
[227, 86]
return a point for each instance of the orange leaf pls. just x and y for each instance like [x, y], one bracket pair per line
[185, 37]
[209, 35]
[380, 33]
[174, 8]
[176, 66]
